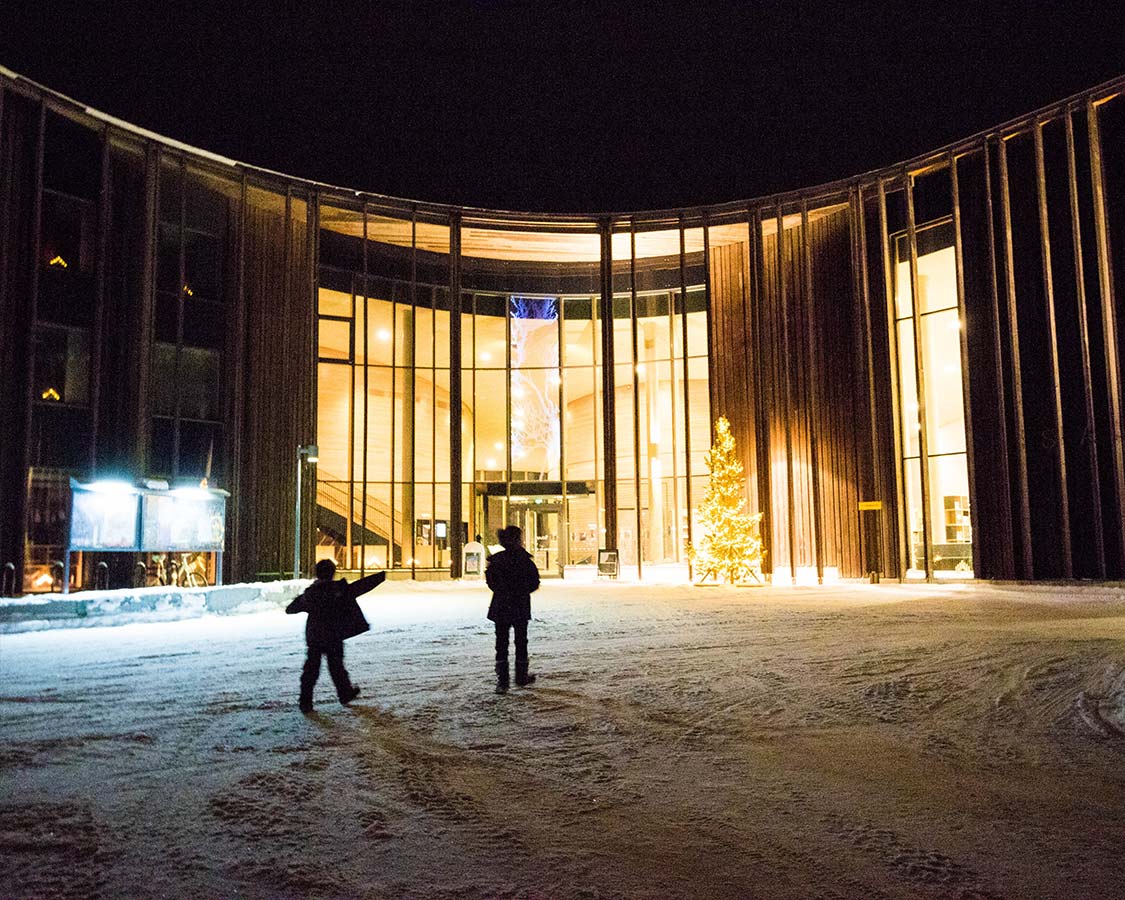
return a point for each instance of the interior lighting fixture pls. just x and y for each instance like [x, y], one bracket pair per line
[51, 394]
[485, 355]
[58, 262]
[491, 463]
[188, 292]
[499, 445]
[383, 334]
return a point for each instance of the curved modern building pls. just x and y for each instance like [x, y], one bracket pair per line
[921, 365]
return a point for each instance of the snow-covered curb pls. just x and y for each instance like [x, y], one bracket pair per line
[151, 604]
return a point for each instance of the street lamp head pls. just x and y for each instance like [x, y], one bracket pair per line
[311, 452]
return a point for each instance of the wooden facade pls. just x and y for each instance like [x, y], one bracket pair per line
[807, 358]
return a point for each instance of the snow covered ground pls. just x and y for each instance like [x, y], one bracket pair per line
[851, 741]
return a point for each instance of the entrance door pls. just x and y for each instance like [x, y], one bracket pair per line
[538, 517]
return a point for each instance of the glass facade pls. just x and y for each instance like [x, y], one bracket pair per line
[532, 415]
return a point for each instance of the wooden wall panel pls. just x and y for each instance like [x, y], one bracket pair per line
[278, 413]
[18, 139]
[775, 366]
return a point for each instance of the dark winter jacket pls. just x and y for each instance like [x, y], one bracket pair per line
[332, 608]
[512, 575]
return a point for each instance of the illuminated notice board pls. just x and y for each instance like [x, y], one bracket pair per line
[118, 516]
[104, 519]
[171, 521]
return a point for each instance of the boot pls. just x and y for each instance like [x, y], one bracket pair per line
[502, 677]
[522, 677]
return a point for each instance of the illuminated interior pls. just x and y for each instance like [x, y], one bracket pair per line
[532, 414]
[938, 322]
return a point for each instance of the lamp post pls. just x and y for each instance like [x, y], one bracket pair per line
[310, 453]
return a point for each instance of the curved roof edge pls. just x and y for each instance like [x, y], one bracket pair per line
[1096, 94]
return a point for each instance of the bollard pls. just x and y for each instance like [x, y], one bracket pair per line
[101, 576]
[140, 574]
[8, 580]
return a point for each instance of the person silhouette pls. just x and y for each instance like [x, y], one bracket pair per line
[334, 616]
[512, 576]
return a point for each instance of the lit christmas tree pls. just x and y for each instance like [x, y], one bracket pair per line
[730, 548]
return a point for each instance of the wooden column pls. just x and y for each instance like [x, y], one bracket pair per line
[1091, 435]
[1110, 336]
[456, 542]
[966, 392]
[1027, 565]
[609, 405]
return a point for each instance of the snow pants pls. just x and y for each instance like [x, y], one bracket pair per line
[502, 629]
[309, 674]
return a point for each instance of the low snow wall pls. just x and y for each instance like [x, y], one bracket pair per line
[150, 604]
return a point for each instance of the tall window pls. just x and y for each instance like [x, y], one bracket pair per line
[946, 519]
[189, 326]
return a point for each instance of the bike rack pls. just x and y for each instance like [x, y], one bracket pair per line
[8, 580]
[140, 574]
[101, 576]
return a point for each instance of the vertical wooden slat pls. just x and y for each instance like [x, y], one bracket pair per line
[609, 404]
[366, 402]
[876, 455]
[233, 558]
[743, 355]
[787, 402]
[757, 375]
[813, 394]
[143, 357]
[24, 498]
[98, 336]
[180, 284]
[636, 388]
[1027, 567]
[1003, 541]
[1053, 346]
[455, 538]
[686, 384]
[905, 551]
[1110, 336]
[287, 306]
[1090, 437]
[963, 334]
[409, 441]
[308, 368]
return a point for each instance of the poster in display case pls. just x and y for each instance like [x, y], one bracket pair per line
[104, 518]
[178, 521]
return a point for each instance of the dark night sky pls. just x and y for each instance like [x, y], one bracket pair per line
[568, 106]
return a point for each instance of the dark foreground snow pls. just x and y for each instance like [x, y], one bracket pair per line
[682, 742]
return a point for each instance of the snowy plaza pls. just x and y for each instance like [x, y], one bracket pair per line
[845, 741]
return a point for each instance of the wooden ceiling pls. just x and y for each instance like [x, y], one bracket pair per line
[574, 246]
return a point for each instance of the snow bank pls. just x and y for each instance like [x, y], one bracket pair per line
[149, 604]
